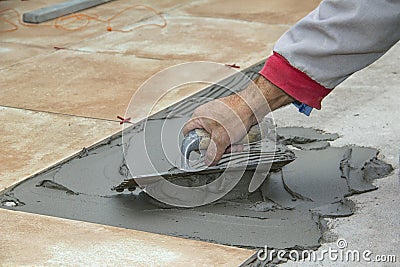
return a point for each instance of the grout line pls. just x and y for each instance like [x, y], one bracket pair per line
[24, 44]
[109, 53]
[59, 113]
[46, 51]
[51, 50]
[227, 19]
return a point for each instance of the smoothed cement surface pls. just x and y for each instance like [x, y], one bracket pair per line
[284, 213]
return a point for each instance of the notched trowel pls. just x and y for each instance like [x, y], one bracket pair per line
[260, 153]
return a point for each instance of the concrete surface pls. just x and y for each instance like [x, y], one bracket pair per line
[363, 110]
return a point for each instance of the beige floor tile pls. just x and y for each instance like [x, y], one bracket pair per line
[192, 39]
[271, 12]
[31, 141]
[29, 5]
[77, 83]
[34, 240]
[13, 53]
[173, 96]
[51, 36]
[132, 13]
[39, 35]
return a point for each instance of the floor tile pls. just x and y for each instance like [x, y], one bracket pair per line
[193, 39]
[55, 241]
[134, 11]
[50, 36]
[37, 34]
[271, 12]
[77, 83]
[13, 53]
[32, 141]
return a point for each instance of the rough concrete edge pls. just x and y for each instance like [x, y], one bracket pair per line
[328, 235]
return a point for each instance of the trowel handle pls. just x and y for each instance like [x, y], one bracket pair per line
[199, 139]
[204, 138]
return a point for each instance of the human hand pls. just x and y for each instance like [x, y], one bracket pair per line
[228, 119]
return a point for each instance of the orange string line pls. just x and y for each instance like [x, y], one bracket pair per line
[68, 22]
[7, 21]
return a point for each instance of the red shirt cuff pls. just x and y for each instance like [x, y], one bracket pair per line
[294, 82]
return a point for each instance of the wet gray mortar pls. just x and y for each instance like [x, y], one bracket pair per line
[286, 212]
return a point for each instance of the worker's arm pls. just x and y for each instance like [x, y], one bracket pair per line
[335, 40]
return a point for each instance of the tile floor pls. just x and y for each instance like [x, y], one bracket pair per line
[55, 102]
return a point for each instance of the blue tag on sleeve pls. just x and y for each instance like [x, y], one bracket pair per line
[303, 108]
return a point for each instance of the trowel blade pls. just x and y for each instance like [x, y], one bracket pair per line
[256, 182]
[269, 160]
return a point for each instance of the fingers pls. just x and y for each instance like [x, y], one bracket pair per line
[219, 138]
[235, 148]
[222, 119]
[218, 145]
[191, 125]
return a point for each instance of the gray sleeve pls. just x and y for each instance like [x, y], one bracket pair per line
[341, 37]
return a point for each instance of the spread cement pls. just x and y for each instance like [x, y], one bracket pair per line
[287, 211]
[281, 214]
